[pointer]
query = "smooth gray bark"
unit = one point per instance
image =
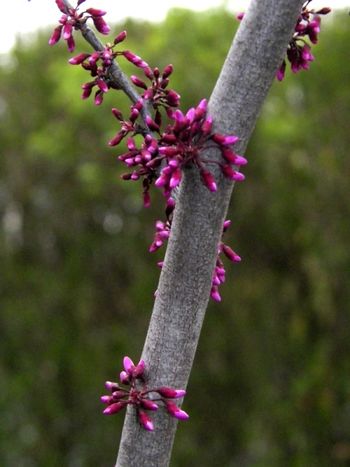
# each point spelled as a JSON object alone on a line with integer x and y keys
{"x": 185, "y": 281}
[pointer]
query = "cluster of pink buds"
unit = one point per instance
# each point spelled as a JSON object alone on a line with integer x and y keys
{"x": 72, "y": 19}
{"x": 98, "y": 64}
{"x": 157, "y": 93}
{"x": 182, "y": 143}
{"x": 177, "y": 147}
{"x": 163, "y": 228}
{"x": 299, "y": 51}
{"x": 135, "y": 392}
{"x": 219, "y": 270}
{"x": 163, "y": 232}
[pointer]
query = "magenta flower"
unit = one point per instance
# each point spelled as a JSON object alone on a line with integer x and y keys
{"x": 139, "y": 396}
{"x": 98, "y": 64}
{"x": 175, "y": 411}
{"x": 161, "y": 235}
{"x": 157, "y": 93}
{"x": 219, "y": 270}
{"x": 299, "y": 52}
{"x": 72, "y": 20}
{"x": 181, "y": 145}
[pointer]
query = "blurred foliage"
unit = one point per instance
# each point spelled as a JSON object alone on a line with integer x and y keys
{"x": 270, "y": 385}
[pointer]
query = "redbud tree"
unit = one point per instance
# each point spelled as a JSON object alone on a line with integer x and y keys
{"x": 194, "y": 156}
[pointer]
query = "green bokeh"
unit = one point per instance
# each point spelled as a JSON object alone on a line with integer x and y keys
{"x": 270, "y": 385}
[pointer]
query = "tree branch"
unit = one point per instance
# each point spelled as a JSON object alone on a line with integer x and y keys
{"x": 117, "y": 77}
{"x": 185, "y": 280}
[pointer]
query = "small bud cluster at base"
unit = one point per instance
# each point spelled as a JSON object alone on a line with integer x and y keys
{"x": 139, "y": 396}
{"x": 299, "y": 51}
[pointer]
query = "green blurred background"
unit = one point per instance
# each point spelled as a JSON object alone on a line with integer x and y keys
{"x": 270, "y": 386}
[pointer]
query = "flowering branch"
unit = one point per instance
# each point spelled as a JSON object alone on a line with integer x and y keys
{"x": 196, "y": 149}
{"x": 187, "y": 273}
{"x": 117, "y": 77}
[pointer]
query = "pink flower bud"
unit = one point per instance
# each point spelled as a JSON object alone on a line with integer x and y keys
{"x": 175, "y": 411}
{"x": 87, "y": 89}
{"x": 214, "y": 294}
{"x": 169, "y": 138}
{"x": 95, "y": 12}
{"x": 111, "y": 386}
{"x": 139, "y": 369}
{"x": 102, "y": 85}
{"x": 306, "y": 54}
{"x": 151, "y": 124}
{"x": 67, "y": 31}
{"x": 117, "y": 139}
{"x": 114, "y": 408}
{"x": 101, "y": 25}
{"x": 138, "y": 82}
{"x": 148, "y": 73}
{"x": 135, "y": 59}
{"x": 117, "y": 113}
{"x": 207, "y": 125}
{"x": 281, "y": 71}
{"x": 128, "y": 365}
{"x": 209, "y": 180}
{"x": 167, "y": 71}
{"x": 56, "y": 35}
{"x": 230, "y": 254}
{"x": 190, "y": 115}
{"x": 93, "y": 58}
{"x": 78, "y": 59}
{"x": 171, "y": 393}
{"x": 134, "y": 115}
{"x": 145, "y": 421}
{"x": 161, "y": 181}
{"x": 173, "y": 98}
{"x": 216, "y": 280}
{"x": 61, "y": 5}
{"x": 227, "y": 225}
{"x": 149, "y": 405}
{"x": 70, "y": 44}
{"x": 179, "y": 118}
{"x": 118, "y": 395}
{"x": 120, "y": 37}
{"x": 98, "y": 98}
{"x": 240, "y": 16}
{"x": 232, "y": 174}
{"x": 175, "y": 178}
{"x": 169, "y": 151}
{"x": 124, "y": 377}
{"x": 106, "y": 399}
{"x": 223, "y": 140}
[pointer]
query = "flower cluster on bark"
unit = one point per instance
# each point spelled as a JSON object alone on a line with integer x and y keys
{"x": 299, "y": 53}
{"x": 134, "y": 391}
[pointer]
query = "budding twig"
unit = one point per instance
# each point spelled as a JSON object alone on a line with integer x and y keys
{"x": 116, "y": 75}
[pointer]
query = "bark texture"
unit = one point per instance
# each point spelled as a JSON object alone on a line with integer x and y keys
{"x": 185, "y": 281}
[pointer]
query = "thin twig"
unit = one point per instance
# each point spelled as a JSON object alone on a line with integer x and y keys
{"x": 117, "y": 77}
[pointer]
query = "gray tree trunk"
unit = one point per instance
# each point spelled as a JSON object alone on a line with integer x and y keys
{"x": 185, "y": 280}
